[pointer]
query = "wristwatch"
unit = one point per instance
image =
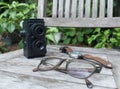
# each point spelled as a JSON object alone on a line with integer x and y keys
{"x": 70, "y": 52}
{"x": 79, "y": 55}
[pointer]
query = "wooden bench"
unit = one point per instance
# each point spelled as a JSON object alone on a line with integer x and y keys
{"x": 79, "y": 13}
{"x": 16, "y": 70}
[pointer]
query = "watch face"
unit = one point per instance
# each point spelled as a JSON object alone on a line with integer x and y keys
{"x": 74, "y": 54}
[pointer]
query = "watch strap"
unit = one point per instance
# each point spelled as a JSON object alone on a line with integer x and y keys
{"x": 65, "y": 49}
{"x": 105, "y": 63}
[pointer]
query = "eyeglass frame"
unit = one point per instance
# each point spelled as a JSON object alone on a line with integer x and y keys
{"x": 97, "y": 69}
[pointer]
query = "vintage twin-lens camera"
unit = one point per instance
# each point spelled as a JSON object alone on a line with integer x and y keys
{"x": 34, "y": 38}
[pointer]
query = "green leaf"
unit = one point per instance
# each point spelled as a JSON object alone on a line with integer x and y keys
{"x": 11, "y": 27}
{"x": 87, "y": 31}
{"x": 113, "y": 40}
{"x": 52, "y": 30}
{"x": 106, "y": 32}
{"x": 97, "y": 30}
{"x": 21, "y": 24}
{"x": 20, "y": 14}
{"x": 67, "y": 41}
{"x": 27, "y": 10}
{"x": 4, "y": 25}
{"x": 80, "y": 38}
{"x": 64, "y": 38}
{"x": 12, "y": 14}
{"x": 117, "y": 29}
{"x": 14, "y": 4}
{"x": 70, "y": 33}
{"x": 100, "y": 45}
{"x": 74, "y": 41}
{"x": 2, "y": 29}
{"x": 4, "y": 4}
{"x": 51, "y": 37}
{"x": 32, "y": 6}
{"x": 92, "y": 38}
{"x": 4, "y": 14}
{"x": 23, "y": 5}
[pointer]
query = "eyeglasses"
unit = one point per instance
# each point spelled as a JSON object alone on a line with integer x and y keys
{"x": 81, "y": 69}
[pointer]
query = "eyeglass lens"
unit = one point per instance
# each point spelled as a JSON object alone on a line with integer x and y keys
{"x": 49, "y": 63}
{"x": 80, "y": 69}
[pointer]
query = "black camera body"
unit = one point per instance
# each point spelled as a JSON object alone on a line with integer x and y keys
{"x": 34, "y": 39}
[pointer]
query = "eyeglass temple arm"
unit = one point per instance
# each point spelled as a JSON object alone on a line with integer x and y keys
{"x": 37, "y": 68}
{"x": 88, "y": 83}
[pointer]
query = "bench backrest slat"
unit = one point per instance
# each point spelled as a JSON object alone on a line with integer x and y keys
{"x": 41, "y": 8}
{"x": 67, "y": 8}
{"x": 54, "y": 9}
{"x": 110, "y": 9}
{"x": 81, "y": 8}
{"x": 73, "y": 9}
{"x": 102, "y": 9}
{"x": 95, "y": 9}
{"x": 87, "y": 8}
{"x": 60, "y": 9}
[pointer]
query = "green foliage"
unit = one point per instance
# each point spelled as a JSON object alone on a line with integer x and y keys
{"x": 13, "y": 15}
{"x": 49, "y": 8}
{"x": 75, "y": 36}
{"x": 115, "y": 39}
{"x": 102, "y": 38}
{"x": 98, "y": 37}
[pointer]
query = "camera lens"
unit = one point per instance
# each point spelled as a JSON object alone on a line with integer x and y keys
{"x": 39, "y": 44}
{"x": 38, "y": 30}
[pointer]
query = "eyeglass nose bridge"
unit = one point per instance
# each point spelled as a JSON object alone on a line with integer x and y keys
{"x": 98, "y": 69}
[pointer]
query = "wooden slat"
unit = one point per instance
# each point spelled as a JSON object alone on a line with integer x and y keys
{"x": 81, "y": 8}
{"x": 95, "y": 8}
{"x": 110, "y": 8}
{"x": 41, "y": 8}
{"x": 102, "y": 9}
{"x": 23, "y": 81}
{"x": 60, "y": 9}
{"x": 67, "y": 8}
{"x": 85, "y": 22}
{"x": 54, "y": 8}
{"x": 87, "y": 8}
{"x": 74, "y": 8}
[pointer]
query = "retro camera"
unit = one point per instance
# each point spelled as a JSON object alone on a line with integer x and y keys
{"x": 34, "y": 38}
